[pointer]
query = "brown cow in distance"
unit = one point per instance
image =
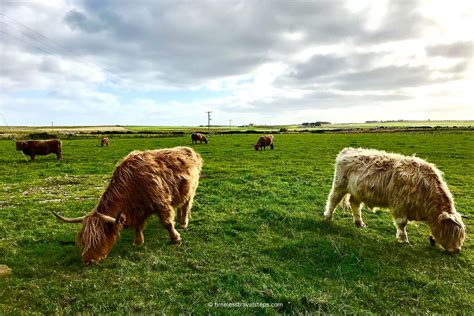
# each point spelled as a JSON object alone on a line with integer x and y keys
{"x": 40, "y": 147}
{"x": 195, "y": 137}
{"x": 264, "y": 141}
{"x": 104, "y": 142}
{"x": 144, "y": 183}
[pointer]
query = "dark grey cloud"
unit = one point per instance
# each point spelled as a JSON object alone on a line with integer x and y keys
{"x": 402, "y": 20}
{"x": 459, "y": 68}
{"x": 395, "y": 77}
{"x": 317, "y": 99}
{"x": 182, "y": 43}
{"x": 75, "y": 19}
{"x": 49, "y": 65}
{"x": 318, "y": 66}
{"x": 382, "y": 78}
{"x": 185, "y": 41}
{"x": 360, "y": 72}
{"x": 323, "y": 68}
{"x": 452, "y": 50}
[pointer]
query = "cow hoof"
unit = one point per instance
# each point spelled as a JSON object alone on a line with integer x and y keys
{"x": 403, "y": 240}
{"x": 360, "y": 224}
{"x": 138, "y": 242}
{"x": 177, "y": 241}
{"x": 327, "y": 216}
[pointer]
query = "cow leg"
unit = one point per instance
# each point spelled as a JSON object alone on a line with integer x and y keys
{"x": 179, "y": 212}
{"x": 184, "y": 212}
{"x": 139, "y": 239}
{"x": 166, "y": 215}
{"x": 401, "y": 223}
{"x": 335, "y": 196}
{"x": 32, "y": 157}
{"x": 356, "y": 213}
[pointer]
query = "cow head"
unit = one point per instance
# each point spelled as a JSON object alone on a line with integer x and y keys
{"x": 450, "y": 231}
{"x": 205, "y": 139}
{"x": 257, "y": 146}
{"x": 21, "y": 145}
{"x": 98, "y": 234}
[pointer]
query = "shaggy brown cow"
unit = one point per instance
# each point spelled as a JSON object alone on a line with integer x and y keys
{"x": 413, "y": 190}
{"x": 144, "y": 183}
{"x": 195, "y": 137}
{"x": 40, "y": 147}
{"x": 264, "y": 141}
{"x": 104, "y": 142}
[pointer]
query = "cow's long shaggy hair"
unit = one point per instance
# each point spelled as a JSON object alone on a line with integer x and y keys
{"x": 413, "y": 189}
{"x": 143, "y": 183}
{"x": 97, "y": 235}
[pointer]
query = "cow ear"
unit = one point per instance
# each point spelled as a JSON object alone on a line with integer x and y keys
{"x": 447, "y": 217}
{"x": 121, "y": 219}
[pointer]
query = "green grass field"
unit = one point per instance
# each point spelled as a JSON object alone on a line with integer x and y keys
{"x": 257, "y": 234}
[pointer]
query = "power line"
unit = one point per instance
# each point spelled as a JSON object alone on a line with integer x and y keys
{"x": 53, "y": 49}
{"x": 19, "y": 39}
{"x": 48, "y": 39}
{"x": 65, "y": 51}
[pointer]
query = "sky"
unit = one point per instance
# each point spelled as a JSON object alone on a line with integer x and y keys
{"x": 166, "y": 63}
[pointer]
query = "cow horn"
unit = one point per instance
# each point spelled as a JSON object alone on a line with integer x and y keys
{"x": 107, "y": 219}
{"x": 69, "y": 219}
{"x": 110, "y": 219}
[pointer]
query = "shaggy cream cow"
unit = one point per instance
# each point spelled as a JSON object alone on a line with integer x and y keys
{"x": 413, "y": 190}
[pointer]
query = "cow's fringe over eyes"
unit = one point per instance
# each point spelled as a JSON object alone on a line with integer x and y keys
{"x": 92, "y": 234}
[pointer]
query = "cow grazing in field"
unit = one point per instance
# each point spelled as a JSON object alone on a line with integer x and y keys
{"x": 143, "y": 183}
{"x": 413, "y": 190}
{"x": 104, "y": 142}
{"x": 264, "y": 141}
{"x": 195, "y": 137}
{"x": 40, "y": 147}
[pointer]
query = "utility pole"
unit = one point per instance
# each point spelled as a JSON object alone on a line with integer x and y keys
{"x": 52, "y": 126}
{"x": 209, "y": 122}
{"x": 230, "y": 123}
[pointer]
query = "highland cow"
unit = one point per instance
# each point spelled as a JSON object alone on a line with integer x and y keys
{"x": 413, "y": 190}
{"x": 143, "y": 184}
{"x": 195, "y": 137}
{"x": 264, "y": 141}
{"x": 104, "y": 142}
{"x": 40, "y": 147}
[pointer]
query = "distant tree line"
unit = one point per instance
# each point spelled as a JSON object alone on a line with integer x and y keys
{"x": 313, "y": 124}
{"x": 388, "y": 121}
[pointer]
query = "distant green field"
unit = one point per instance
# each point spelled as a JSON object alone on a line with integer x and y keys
{"x": 405, "y": 124}
{"x": 257, "y": 234}
{"x": 21, "y": 130}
